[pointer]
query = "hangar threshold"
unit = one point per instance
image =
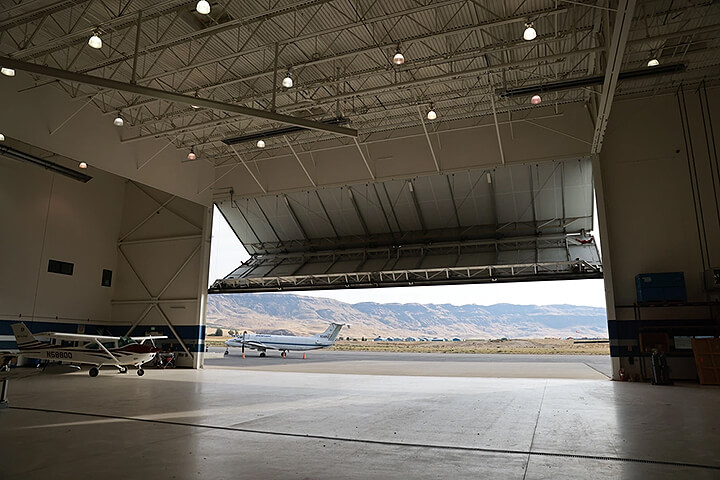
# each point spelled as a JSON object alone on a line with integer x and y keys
{"x": 507, "y": 224}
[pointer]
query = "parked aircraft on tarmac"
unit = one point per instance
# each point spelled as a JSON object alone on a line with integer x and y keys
{"x": 284, "y": 343}
{"x": 96, "y": 350}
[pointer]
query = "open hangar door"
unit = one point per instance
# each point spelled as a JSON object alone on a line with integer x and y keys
{"x": 510, "y": 89}
{"x": 513, "y": 223}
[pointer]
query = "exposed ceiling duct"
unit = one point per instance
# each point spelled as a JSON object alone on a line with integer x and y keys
{"x": 277, "y": 132}
{"x": 590, "y": 81}
{"x": 19, "y": 155}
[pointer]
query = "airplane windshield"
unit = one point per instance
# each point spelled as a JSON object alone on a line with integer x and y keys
{"x": 125, "y": 341}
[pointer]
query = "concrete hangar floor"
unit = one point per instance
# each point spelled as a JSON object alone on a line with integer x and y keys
{"x": 387, "y": 416}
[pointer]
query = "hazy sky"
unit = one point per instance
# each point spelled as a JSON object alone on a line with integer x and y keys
{"x": 227, "y": 253}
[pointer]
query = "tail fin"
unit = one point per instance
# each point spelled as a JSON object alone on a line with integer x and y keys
{"x": 23, "y": 337}
{"x": 332, "y": 332}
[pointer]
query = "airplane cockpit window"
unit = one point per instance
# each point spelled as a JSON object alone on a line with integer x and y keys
{"x": 125, "y": 341}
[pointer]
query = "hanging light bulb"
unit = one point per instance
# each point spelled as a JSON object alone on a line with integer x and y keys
{"x": 287, "y": 82}
{"x": 83, "y": 165}
{"x": 399, "y": 58}
{"x": 431, "y": 115}
{"x": 260, "y": 144}
{"x": 8, "y": 72}
{"x": 529, "y": 33}
{"x": 536, "y": 99}
{"x": 2, "y": 137}
{"x": 118, "y": 122}
{"x": 203, "y": 7}
{"x": 653, "y": 62}
{"x": 95, "y": 41}
{"x": 191, "y": 155}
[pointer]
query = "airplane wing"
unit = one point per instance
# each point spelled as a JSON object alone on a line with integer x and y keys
{"x": 76, "y": 336}
{"x": 151, "y": 337}
{"x": 99, "y": 338}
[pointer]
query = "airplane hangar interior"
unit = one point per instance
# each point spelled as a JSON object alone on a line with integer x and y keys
{"x": 358, "y": 144}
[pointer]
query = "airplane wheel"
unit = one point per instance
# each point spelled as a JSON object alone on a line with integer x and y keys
{"x": 123, "y": 369}
{"x": 284, "y": 354}
{"x": 262, "y": 354}
{"x": 94, "y": 372}
{"x": 226, "y": 353}
{"x": 140, "y": 372}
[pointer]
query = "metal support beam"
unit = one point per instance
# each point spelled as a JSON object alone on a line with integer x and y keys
{"x": 322, "y": 205}
{"x": 297, "y": 157}
{"x": 454, "y": 203}
{"x": 160, "y": 239}
{"x": 357, "y": 211}
{"x": 294, "y": 217}
{"x": 174, "y": 332}
{"x": 497, "y": 128}
{"x": 416, "y": 204}
{"x": 173, "y": 97}
{"x": 623, "y": 19}
{"x": 362, "y": 154}
{"x": 133, "y": 79}
{"x": 432, "y": 151}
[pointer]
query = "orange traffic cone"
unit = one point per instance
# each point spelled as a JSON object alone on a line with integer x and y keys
{"x": 303, "y": 356}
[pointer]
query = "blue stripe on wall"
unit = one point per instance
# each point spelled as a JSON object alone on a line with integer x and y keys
{"x": 629, "y": 330}
{"x": 192, "y": 335}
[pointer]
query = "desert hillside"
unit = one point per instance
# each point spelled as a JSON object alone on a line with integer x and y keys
{"x": 300, "y": 315}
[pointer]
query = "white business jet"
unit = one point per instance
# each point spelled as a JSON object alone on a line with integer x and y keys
{"x": 96, "y": 350}
{"x": 284, "y": 343}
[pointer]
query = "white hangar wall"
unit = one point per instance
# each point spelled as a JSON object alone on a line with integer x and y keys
{"x": 155, "y": 244}
{"x": 646, "y": 196}
{"x": 44, "y": 115}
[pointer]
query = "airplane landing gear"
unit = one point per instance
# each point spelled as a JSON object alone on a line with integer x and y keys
{"x": 262, "y": 354}
{"x": 140, "y": 372}
{"x": 94, "y": 372}
{"x": 283, "y": 354}
{"x": 122, "y": 370}
{"x": 227, "y": 352}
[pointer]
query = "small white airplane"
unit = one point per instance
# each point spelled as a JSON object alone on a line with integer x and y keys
{"x": 284, "y": 343}
{"x": 96, "y": 350}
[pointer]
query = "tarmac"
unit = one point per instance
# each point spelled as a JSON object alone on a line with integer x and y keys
{"x": 271, "y": 418}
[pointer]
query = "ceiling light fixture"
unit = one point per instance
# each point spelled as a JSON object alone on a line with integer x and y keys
{"x": 83, "y": 165}
{"x": 118, "y": 122}
{"x": 203, "y": 7}
{"x": 529, "y": 33}
{"x": 287, "y": 82}
{"x": 260, "y": 144}
{"x": 399, "y": 58}
{"x": 431, "y": 115}
{"x": 536, "y": 99}
{"x": 653, "y": 62}
{"x": 95, "y": 41}
{"x": 191, "y": 155}
{"x": 8, "y": 72}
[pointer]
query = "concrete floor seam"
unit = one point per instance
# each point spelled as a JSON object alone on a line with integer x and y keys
{"x": 532, "y": 439}
{"x": 379, "y": 442}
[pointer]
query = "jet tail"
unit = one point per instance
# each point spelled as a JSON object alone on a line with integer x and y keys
{"x": 25, "y": 340}
{"x": 332, "y": 331}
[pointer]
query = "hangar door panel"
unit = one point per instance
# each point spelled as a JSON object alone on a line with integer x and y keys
{"x": 510, "y": 223}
